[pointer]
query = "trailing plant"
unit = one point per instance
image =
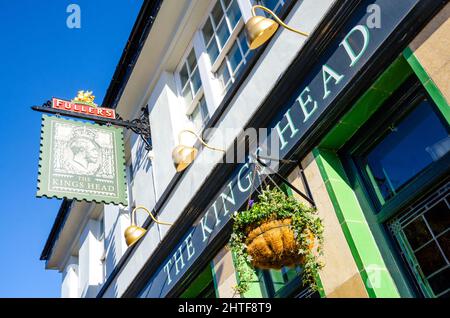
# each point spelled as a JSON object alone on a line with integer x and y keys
{"x": 272, "y": 205}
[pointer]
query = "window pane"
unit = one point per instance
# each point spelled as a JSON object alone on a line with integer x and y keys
{"x": 187, "y": 95}
{"x": 204, "y": 110}
{"x": 290, "y": 273}
{"x": 409, "y": 147}
{"x": 196, "y": 118}
{"x": 213, "y": 51}
{"x": 200, "y": 115}
{"x": 234, "y": 14}
{"x": 430, "y": 258}
{"x": 441, "y": 281}
{"x": 235, "y": 57}
{"x": 223, "y": 33}
{"x": 192, "y": 63}
{"x": 280, "y": 278}
{"x": 243, "y": 41}
{"x": 272, "y": 4}
{"x": 417, "y": 233}
{"x": 208, "y": 31}
{"x": 217, "y": 13}
{"x": 196, "y": 82}
{"x": 227, "y": 3}
{"x": 444, "y": 243}
{"x": 277, "y": 280}
{"x": 184, "y": 77}
{"x": 430, "y": 253}
{"x": 223, "y": 75}
{"x": 438, "y": 217}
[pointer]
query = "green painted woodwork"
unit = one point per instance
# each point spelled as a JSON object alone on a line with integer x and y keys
{"x": 214, "y": 277}
{"x": 368, "y": 104}
{"x": 428, "y": 83}
{"x": 357, "y": 232}
{"x": 431, "y": 176}
{"x": 255, "y": 290}
{"x": 409, "y": 254}
{"x": 200, "y": 283}
{"x": 359, "y": 228}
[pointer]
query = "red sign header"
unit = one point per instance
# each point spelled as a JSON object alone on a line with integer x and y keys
{"x": 85, "y": 109}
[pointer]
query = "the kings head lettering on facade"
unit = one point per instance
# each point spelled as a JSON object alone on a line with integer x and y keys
{"x": 334, "y": 71}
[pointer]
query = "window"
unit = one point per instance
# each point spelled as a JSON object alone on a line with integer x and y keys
{"x": 274, "y": 5}
{"x": 423, "y": 234}
{"x": 407, "y": 147}
{"x": 399, "y": 159}
{"x": 200, "y": 115}
{"x": 238, "y": 56}
{"x": 219, "y": 26}
{"x": 202, "y": 286}
{"x": 190, "y": 78}
{"x": 284, "y": 283}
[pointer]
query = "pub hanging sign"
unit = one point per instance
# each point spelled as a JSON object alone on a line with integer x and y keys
{"x": 80, "y": 160}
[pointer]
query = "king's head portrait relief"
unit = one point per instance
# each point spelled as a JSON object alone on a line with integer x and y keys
{"x": 84, "y": 155}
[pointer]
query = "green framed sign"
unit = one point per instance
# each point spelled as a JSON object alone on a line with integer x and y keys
{"x": 81, "y": 161}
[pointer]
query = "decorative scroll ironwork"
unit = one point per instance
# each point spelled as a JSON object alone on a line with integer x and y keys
{"x": 140, "y": 126}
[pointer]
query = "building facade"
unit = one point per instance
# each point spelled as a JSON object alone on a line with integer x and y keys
{"x": 361, "y": 106}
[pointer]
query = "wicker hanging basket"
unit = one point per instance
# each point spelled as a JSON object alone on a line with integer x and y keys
{"x": 272, "y": 245}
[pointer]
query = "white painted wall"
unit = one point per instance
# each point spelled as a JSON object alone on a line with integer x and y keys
{"x": 69, "y": 286}
{"x": 90, "y": 267}
{"x": 116, "y": 221}
{"x": 167, "y": 117}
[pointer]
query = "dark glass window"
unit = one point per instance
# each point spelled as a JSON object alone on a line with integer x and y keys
{"x": 284, "y": 283}
{"x": 408, "y": 147}
{"x": 202, "y": 286}
{"x": 398, "y": 153}
{"x": 423, "y": 233}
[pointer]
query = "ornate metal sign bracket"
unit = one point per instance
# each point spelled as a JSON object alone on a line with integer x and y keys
{"x": 140, "y": 126}
{"x": 305, "y": 196}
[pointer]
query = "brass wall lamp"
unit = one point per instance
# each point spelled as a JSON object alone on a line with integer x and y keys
{"x": 260, "y": 29}
{"x": 134, "y": 233}
{"x": 183, "y": 155}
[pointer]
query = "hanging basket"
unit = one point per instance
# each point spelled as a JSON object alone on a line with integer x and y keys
{"x": 272, "y": 245}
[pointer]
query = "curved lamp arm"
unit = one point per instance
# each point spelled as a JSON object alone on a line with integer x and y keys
{"x": 201, "y": 140}
{"x": 277, "y": 19}
{"x": 133, "y": 216}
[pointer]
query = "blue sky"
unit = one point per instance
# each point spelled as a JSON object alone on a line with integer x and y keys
{"x": 41, "y": 57}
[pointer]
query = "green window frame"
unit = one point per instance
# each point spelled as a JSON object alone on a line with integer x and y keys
{"x": 203, "y": 286}
{"x": 371, "y": 245}
{"x": 436, "y": 237}
{"x": 399, "y": 105}
{"x": 406, "y": 98}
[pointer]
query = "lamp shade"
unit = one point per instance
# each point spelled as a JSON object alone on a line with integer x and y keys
{"x": 259, "y": 29}
{"x": 133, "y": 233}
{"x": 183, "y": 156}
